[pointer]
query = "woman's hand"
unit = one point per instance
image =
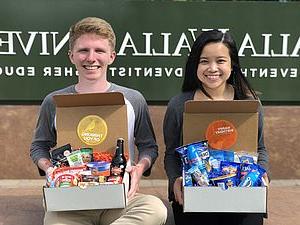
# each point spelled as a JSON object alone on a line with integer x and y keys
{"x": 177, "y": 189}
{"x": 266, "y": 179}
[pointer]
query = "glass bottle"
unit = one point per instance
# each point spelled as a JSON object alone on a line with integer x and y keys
{"x": 119, "y": 161}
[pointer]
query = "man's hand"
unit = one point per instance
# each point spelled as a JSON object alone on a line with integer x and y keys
{"x": 177, "y": 189}
{"x": 44, "y": 164}
{"x": 47, "y": 166}
{"x": 136, "y": 173}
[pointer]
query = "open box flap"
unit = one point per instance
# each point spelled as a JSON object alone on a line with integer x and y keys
{"x": 243, "y": 115}
{"x": 236, "y": 106}
{"x": 80, "y": 118}
{"x": 89, "y": 99}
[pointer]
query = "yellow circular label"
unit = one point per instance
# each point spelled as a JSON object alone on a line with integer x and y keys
{"x": 92, "y": 130}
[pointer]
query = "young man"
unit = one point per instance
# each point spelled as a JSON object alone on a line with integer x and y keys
{"x": 92, "y": 50}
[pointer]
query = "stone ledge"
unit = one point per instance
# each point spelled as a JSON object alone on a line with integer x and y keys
{"x": 23, "y": 205}
{"x": 145, "y": 183}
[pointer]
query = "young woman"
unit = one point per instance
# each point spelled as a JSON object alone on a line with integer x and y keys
{"x": 212, "y": 72}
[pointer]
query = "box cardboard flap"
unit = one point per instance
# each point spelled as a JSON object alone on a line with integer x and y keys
{"x": 94, "y": 120}
{"x": 241, "y": 115}
{"x": 89, "y": 99}
{"x": 236, "y": 106}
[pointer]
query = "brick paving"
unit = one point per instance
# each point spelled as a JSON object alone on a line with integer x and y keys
{"x": 21, "y": 201}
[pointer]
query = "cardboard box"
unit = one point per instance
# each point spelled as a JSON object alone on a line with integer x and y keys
{"x": 90, "y": 120}
{"x": 92, "y": 197}
{"x": 243, "y": 115}
{"x": 235, "y": 199}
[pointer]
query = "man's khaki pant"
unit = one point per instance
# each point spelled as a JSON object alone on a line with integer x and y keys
{"x": 140, "y": 210}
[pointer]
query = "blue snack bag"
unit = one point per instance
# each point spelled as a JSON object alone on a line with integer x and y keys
{"x": 253, "y": 177}
{"x": 225, "y": 181}
{"x": 188, "y": 181}
{"x": 230, "y": 168}
{"x": 199, "y": 175}
{"x": 217, "y": 156}
{"x": 250, "y": 179}
{"x": 197, "y": 152}
{"x": 192, "y": 152}
{"x": 182, "y": 151}
{"x": 228, "y": 176}
{"x": 247, "y": 168}
{"x": 222, "y": 155}
{"x": 246, "y": 157}
{"x": 193, "y": 156}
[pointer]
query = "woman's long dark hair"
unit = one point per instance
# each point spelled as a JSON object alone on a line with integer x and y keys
{"x": 237, "y": 79}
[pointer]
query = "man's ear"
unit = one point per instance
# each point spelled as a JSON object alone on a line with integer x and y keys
{"x": 70, "y": 54}
{"x": 112, "y": 57}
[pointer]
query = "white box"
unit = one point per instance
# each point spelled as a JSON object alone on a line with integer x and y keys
{"x": 235, "y": 199}
{"x": 104, "y": 196}
{"x": 92, "y": 197}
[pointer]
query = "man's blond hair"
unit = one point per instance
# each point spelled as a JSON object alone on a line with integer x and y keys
{"x": 92, "y": 25}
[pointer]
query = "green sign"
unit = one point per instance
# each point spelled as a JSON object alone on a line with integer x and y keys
{"x": 153, "y": 42}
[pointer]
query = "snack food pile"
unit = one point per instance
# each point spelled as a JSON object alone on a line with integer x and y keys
{"x": 81, "y": 167}
{"x": 203, "y": 166}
